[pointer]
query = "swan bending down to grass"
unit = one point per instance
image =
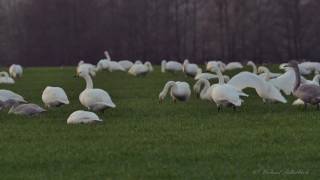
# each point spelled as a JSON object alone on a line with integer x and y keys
{"x": 224, "y": 95}
{"x": 171, "y": 66}
{"x": 190, "y": 69}
{"x": 178, "y": 91}
{"x": 26, "y": 109}
{"x": 6, "y": 95}
{"x": 5, "y": 78}
{"x": 140, "y": 69}
{"x": 83, "y": 117}
{"x": 16, "y": 71}
{"x": 96, "y": 100}
{"x": 308, "y": 93}
{"x": 109, "y": 64}
{"x": 54, "y": 97}
{"x": 126, "y": 64}
{"x": 86, "y": 67}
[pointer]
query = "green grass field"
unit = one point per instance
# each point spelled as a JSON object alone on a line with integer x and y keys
{"x": 142, "y": 139}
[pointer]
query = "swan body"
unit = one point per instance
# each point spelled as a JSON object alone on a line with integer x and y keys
{"x": 83, "y": 117}
{"x": 5, "y": 78}
{"x": 94, "y": 99}
{"x": 109, "y": 64}
{"x": 86, "y": 67}
{"x": 6, "y": 95}
{"x": 215, "y": 64}
{"x": 178, "y": 91}
{"x": 190, "y": 69}
{"x": 205, "y": 92}
{"x": 140, "y": 69}
{"x": 114, "y": 66}
{"x": 26, "y": 109}
{"x": 225, "y": 95}
{"x": 233, "y": 66}
{"x": 16, "y": 70}
{"x": 264, "y": 89}
{"x": 171, "y": 66}
{"x": 54, "y": 97}
{"x": 308, "y": 93}
{"x": 126, "y": 64}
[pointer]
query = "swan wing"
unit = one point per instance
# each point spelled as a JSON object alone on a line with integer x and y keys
{"x": 245, "y": 80}
{"x": 285, "y": 82}
{"x": 222, "y": 93}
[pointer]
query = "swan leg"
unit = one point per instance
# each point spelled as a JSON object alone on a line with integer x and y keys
{"x": 219, "y": 108}
{"x": 234, "y": 108}
{"x": 318, "y": 107}
{"x": 305, "y": 106}
{"x": 174, "y": 100}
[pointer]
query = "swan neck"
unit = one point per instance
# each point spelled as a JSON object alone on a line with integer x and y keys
{"x": 204, "y": 91}
{"x": 220, "y": 76}
{"x": 89, "y": 83}
{"x": 298, "y": 78}
{"x": 255, "y": 71}
{"x": 166, "y": 89}
{"x": 163, "y": 66}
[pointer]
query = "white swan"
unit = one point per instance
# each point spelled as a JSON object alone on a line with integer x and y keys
{"x": 171, "y": 66}
{"x": 140, "y": 69}
{"x": 5, "y": 78}
{"x": 233, "y": 65}
{"x": 215, "y": 64}
{"x": 83, "y": 117}
{"x": 264, "y": 89}
{"x": 54, "y": 97}
{"x": 190, "y": 69}
{"x": 178, "y": 91}
{"x": 94, "y": 99}
{"x": 126, "y": 64}
{"x": 225, "y": 95}
{"x": 86, "y": 67}
{"x": 6, "y": 95}
{"x": 109, "y": 64}
{"x": 205, "y": 92}
{"x": 16, "y": 71}
{"x": 26, "y": 109}
{"x": 266, "y": 74}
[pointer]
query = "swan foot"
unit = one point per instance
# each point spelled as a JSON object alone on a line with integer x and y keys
{"x": 219, "y": 109}
{"x": 234, "y": 108}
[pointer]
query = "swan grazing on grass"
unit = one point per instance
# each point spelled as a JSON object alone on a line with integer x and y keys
{"x": 233, "y": 66}
{"x": 54, "y": 97}
{"x": 190, "y": 69}
{"x": 94, "y": 99}
{"x": 109, "y": 64}
{"x": 264, "y": 89}
{"x": 178, "y": 91}
{"x": 171, "y": 66}
{"x": 6, "y": 95}
{"x": 140, "y": 69}
{"x": 83, "y": 117}
{"x": 215, "y": 64}
{"x": 16, "y": 71}
{"x": 209, "y": 76}
{"x": 86, "y": 67}
{"x": 26, "y": 109}
{"x": 308, "y": 93}
{"x": 126, "y": 64}
{"x": 5, "y": 78}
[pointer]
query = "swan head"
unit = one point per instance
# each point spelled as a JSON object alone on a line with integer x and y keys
{"x": 250, "y": 63}
{"x": 81, "y": 62}
{"x": 262, "y": 69}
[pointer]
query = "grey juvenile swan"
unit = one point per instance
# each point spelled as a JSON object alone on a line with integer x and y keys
{"x": 308, "y": 93}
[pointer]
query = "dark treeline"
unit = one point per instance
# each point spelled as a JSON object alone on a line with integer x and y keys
{"x": 61, "y": 32}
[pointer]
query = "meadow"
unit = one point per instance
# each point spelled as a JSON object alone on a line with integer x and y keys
{"x": 142, "y": 139}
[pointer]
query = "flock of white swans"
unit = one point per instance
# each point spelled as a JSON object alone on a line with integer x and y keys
{"x": 228, "y": 92}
